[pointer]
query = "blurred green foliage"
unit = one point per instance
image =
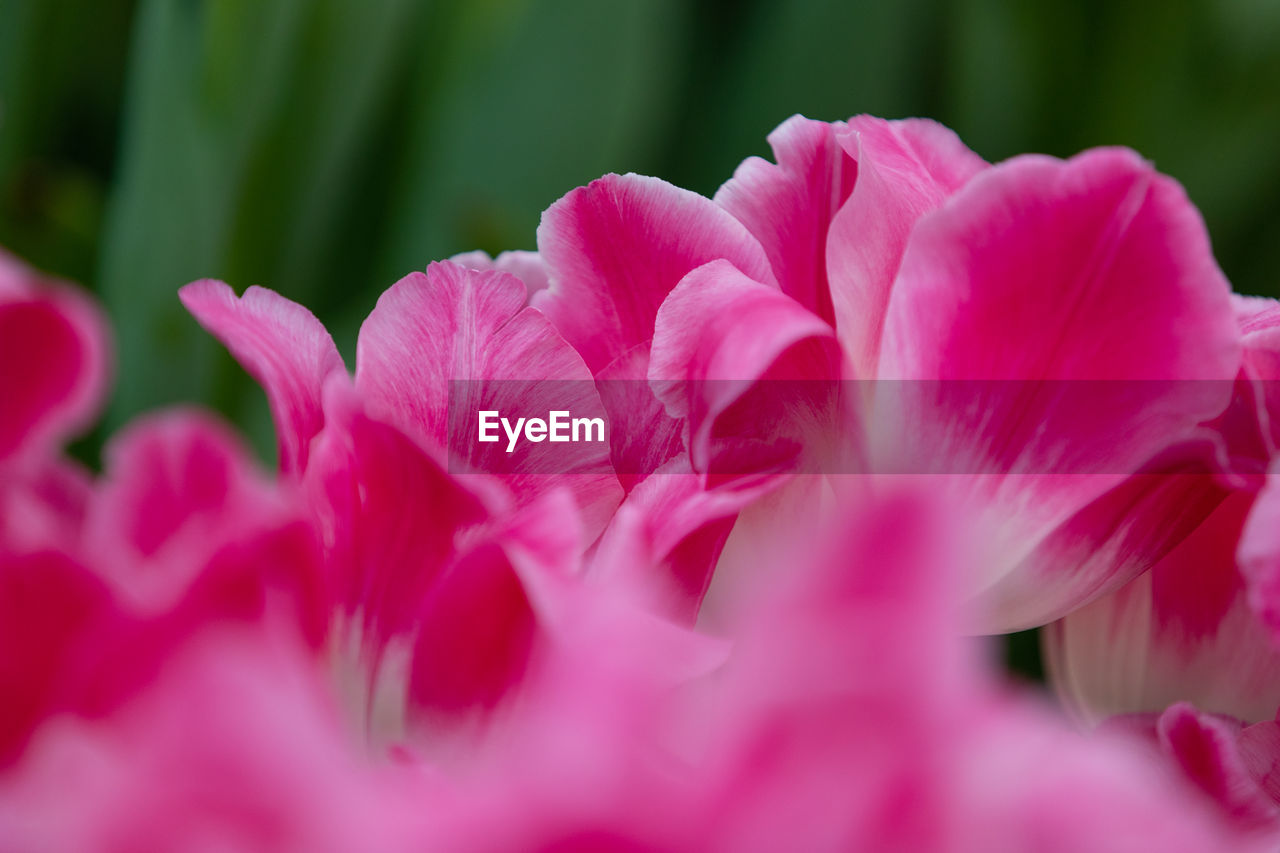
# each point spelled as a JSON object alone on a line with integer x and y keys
{"x": 325, "y": 147}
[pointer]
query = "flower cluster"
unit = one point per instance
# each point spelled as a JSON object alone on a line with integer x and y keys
{"x": 868, "y": 403}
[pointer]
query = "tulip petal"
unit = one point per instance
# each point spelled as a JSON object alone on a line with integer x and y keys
{"x": 717, "y": 333}
{"x": 526, "y": 266}
{"x": 615, "y": 248}
{"x": 441, "y": 347}
{"x": 1209, "y": 751}
{"x": 788, "y": 207}
{"x": 283, "y": 346}
{"x": 49, "y": 606}
{"x": 53, "y": 361}
{"x": 184, "y": 524}
{"x": 1259, "y": 554}
{"x": 1069, "y": 323}
{"x": 665, "y": 539}
{"x": 904, "y": 170}
{"x": 449, "y": 595}
{"x": 1181, "y": 631}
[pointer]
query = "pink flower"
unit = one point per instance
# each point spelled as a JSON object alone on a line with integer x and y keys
{"x": 446, "y": 576}
{"x": 1039, "y": 331}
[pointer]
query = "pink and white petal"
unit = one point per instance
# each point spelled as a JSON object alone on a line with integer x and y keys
{"x": 184, "y": 524}
{"x": 663, "y": 543}
{"x": 443, "y": 346}
{"x": 524, "y": 265}
{"x": 1209, "y": 750}
{"x": 283, "y": 346}
{"x": 789, "y": 207}
{"x": 1114, "y": 538}
{"x": 436, "y": 622}
{"x": 747, "y": 366}
{"x": 43, "y": 505}
{"x": 904, "y": 170}
{"x": 1181, "y": 631}
{"x": 54, "y": 361}
{"x": 1259, "y": 554}
{"x": 1056, "y": 325}
{"x": 615, "y": 248}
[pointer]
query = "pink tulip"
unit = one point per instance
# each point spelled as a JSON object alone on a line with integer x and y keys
{"x": 1039, "y": 332}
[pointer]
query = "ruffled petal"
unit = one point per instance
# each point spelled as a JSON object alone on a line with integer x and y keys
{"x": 904, "y": 170}
{"x": 788, "y": 207}
{"x": 1221, "y": 756}
{"x": 615, "y": 248}
{"x": 54, "y": 356}
{"x": 443, "y": 346}
{"x": 524, "y": 265}
{"x": 283, "y": 346}
{"x": 184, "y": 524}
{"x": 754, "y": 373}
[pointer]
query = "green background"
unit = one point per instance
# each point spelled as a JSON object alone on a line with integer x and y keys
{"x": 325, "y": 147}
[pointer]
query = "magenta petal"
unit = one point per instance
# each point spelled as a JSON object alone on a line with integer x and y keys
{"x": 716, "y": 334}
{"x": 476, "y": 634}
{"x": 283, "y": 346}
{"x": 1116, "y": 537}
{"x": 905, "y": 169}
{"x": 49, "y": 609}
{"x": 1208, "y": 750}
{"x": 643, "y": 436}
{"x": 616, "y": 247}
{"x": 1091, "y": 268}
{"x": 442, "y": 346}
{"x": 1259, "y": 554}
{"x": 370, "y": 484}
{"x": 1039, "y": 296}
{"x": 182, "y": 519}
{"x": 1181, "y": 631}
{"x": 441, "y": 594}
{"x": 53, "y": 361}
{"x": 1260, "y": 325}
{"x": 789, "y": 206}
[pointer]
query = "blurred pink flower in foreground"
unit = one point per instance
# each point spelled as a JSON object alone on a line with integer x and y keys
{"x": 412, "y": 639}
